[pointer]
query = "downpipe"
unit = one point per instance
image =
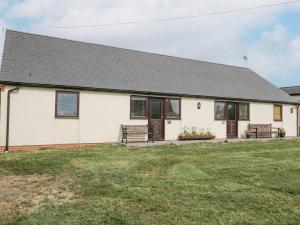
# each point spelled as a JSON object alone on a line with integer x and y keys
{"x": 8, "y": 117}
{"x": 298, "y": 129}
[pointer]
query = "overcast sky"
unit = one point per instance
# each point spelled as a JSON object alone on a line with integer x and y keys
{"x": 269, "y": 37}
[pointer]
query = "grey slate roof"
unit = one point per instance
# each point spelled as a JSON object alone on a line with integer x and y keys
{"x": 42, "y": 60}
{"x": 295, "y": 90}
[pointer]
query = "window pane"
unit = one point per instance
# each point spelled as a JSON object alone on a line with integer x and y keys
{"x": 155, "y": 109}
{"x": 138, "y": 107}
{"x": 231, "y": 115}
{"x": 173, "y": 108}
{"x": 277, "y": 112}
{"x": 67, "y": 104}
{"x": 244, "y": 111}
{"x": 220, "y": 110}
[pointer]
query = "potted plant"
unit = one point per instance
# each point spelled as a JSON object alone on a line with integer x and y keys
{"x": 281, "y": 132}
{"x": 248, "y": 133}
{"x": 195, "y": 135}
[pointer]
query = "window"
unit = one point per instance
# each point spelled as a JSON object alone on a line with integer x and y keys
{"x": 138, "y": 107}
{"x": 277, "y": 112}
{"x": 173, "y": 108}
{"x": 220, "y": 108}
{"x": 67, "y": 104}
{"x": 231, "y": 111}
{"x": 244, "y": 111}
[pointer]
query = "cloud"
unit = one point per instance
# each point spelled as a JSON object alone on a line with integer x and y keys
{"x": 30, "y": 9}
{"x": 2, "y": 37}
{"x": 216, "y": 38}
{"x": 295, "y": 47}
{"x": 3, "y": 5}
{"x": 275, "y": 53}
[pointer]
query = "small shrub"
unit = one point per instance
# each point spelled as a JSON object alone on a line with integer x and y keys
{"x": 195, "y": 135}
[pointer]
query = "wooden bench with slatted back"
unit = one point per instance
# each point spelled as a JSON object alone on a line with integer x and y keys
{"x": 263, "y": 130}
{"x": 136, "y": 133}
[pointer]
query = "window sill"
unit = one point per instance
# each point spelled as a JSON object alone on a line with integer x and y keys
{"x": 138, "y": 118}
{"x": 67, "y": 117}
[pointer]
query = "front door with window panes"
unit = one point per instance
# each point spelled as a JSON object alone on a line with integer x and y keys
{"x": 232, "y": 122}
{"x": 156, "y": 117}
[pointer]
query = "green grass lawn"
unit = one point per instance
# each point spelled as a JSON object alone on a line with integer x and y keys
{"x": 240, "y": 183}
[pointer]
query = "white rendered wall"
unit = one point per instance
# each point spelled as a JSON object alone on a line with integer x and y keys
{"x": 203, "y": 119}
{"x": 33, "y": 119}
{"x": 297, "y": 98}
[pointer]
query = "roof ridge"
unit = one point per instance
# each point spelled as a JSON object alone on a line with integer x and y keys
{"x": 127, "y": 49}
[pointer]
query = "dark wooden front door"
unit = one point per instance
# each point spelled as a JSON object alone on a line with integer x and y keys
{"x": 232, "y": 122}
{"x": 156, "y": 117}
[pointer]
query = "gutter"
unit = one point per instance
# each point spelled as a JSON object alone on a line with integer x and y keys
{"x": 8, "y": 116}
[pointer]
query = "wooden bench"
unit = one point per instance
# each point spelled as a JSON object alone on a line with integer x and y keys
{"x": 136, "y": 131}
{"x": 263, "y": 130}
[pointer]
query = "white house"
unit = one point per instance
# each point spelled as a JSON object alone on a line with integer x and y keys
{"x": 294, "y": 92}
{"x": 68, "y": 92}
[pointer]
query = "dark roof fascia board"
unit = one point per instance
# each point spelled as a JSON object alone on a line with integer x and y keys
{"x": 293, "y": 93}
{"x": 141, "y": 92}
{"x": 296, "y": 86}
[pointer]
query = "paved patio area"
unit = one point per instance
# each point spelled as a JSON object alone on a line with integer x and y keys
{"x": 156, "y": 143}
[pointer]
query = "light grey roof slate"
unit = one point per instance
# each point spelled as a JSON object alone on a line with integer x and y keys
{"x": 35, "y": 59}
{"x": 295, "y": 90}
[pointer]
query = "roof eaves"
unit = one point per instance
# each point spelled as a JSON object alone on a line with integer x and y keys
{"x": 143, "y": 92}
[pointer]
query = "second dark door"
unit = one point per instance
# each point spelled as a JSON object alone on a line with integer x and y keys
{"x": 232, "y": 122}
{"x": 156, "y": 117}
